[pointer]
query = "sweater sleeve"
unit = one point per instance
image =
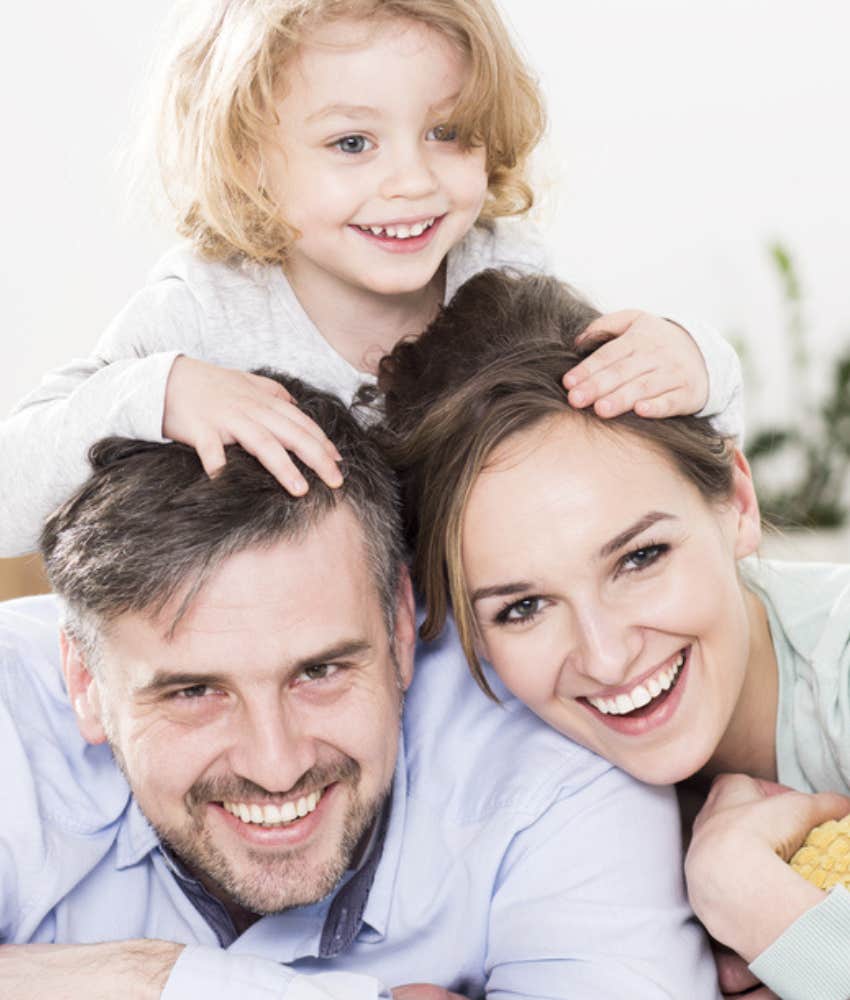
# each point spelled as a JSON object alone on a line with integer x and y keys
{"x": 725, "y": 383}
{"x": 118, "y": 390}
{"x": 811, "y": 960}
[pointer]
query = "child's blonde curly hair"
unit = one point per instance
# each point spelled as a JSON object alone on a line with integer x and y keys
{"x": 221, "y": 80}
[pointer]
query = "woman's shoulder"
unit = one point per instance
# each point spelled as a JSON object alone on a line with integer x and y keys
{"x": 809, "y": 600}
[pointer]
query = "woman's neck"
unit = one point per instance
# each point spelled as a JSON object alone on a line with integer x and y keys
{"x": 362, "y": 325}
{"x": 749, "y": 743}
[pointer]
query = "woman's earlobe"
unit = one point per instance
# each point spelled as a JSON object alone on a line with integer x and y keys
{"x": 82, "y": 691}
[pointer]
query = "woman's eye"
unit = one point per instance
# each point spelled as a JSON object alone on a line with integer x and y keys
{"x": 318, "y": 672}
{"x": 353, "y": 144}
{"x": 520, "y": 611}
{"x": 643, "y": 557}
{"x": 442, "y": 133}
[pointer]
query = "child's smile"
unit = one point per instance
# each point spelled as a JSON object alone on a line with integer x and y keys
{"x": 366, "y": 166}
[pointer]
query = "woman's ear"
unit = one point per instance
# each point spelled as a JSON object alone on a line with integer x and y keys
{"x": 82, "y": 691}
{"x": 746, "y": 505}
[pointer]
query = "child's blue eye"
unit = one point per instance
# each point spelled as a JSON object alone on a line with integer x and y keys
{"x": 353, "y": 144}
{"x": 442, "y": 133}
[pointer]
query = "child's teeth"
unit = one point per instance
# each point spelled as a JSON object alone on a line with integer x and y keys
{"x": 418, "y": 229}
{"x": 390, "y": 230}
{"x": 377, "y": 230}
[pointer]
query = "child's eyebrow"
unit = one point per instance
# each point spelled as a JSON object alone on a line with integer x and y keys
{"x": 366, "y": 111}
{"x": 343, "y": 110}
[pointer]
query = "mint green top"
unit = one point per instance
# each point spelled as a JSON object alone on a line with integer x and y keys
{"x": 808, "y": 608}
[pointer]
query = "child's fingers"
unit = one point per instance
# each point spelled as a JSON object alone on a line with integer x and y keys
{"x": 299, "y": 440}
{"x": 608, "y": 354}
{"x": 609, "y": 325}
{"x": 260, "y": 442}
{"x": 631, "y": 369}
{"x": 288, "y": 410}
{"x": 210, "y": 450}
{"x": 672, "y": 403}
{"x": 652, "y": 385}
{"x": 270, "y": 386}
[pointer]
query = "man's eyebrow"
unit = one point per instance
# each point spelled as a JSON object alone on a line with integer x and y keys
{"x": 349, "y": 649}
{"x": 164, "y": 680}
{"x": 623, "y": 539}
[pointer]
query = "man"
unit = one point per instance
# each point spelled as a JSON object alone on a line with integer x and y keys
{"x": 225, "y": 803}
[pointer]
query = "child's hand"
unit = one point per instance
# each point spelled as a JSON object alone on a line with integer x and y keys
{"x": 650, "y": 365}
{"x": 209, "y": 407}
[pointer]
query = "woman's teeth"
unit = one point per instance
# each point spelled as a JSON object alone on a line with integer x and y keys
{"x": 642, "y": 694}
{"x": 400, "y": 232}
{"x": 274, "y": 815}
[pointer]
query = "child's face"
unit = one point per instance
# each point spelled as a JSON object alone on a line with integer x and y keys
{"x": 364, "y": 145}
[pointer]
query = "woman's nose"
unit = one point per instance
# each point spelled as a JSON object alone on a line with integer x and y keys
{"x": 606, "y": 646}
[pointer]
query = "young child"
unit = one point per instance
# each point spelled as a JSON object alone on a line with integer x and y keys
{"x": 339, "y": 168}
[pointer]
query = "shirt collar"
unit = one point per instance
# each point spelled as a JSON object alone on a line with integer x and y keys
{"x": 377, "y": 913}
{"x": 136, "y": 837}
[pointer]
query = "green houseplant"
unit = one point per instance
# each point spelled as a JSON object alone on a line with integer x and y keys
{"x": 816, "y": 447}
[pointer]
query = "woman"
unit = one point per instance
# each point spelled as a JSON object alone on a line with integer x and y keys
{"x": 607, "y": 572}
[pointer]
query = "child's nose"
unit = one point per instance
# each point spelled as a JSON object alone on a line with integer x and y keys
{"x": 409, "y": 175}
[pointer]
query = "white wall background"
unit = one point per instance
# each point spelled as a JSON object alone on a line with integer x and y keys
{"x": 685, "y": 134}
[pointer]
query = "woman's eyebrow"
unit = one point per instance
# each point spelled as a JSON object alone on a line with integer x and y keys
{"x": 623, "y": 539}
{"x": 501, "y": 590}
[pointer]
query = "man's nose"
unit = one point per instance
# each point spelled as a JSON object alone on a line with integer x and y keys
{"x": 270, "y": 745}
{"x": 606, "y": 645}
{"x": 409, "y": 173}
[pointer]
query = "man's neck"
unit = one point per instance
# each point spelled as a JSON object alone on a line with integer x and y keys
{"x": 363, "y": 326}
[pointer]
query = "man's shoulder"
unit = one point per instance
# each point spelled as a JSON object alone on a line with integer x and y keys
{"x": 77, "y": 787}
{"x": 476, "y": 754}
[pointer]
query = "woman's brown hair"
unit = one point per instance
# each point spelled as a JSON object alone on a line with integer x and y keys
{"x": 489, "y": 366}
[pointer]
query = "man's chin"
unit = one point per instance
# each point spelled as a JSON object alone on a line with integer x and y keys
{"x": 264, "y": 881}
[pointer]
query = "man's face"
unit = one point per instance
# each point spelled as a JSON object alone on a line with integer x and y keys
{"x": 260, "y": 739}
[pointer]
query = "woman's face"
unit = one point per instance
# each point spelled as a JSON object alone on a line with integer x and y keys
{"x": 606, "y": 593}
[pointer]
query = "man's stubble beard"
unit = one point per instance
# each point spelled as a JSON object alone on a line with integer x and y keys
{"x": 275, "y": 881}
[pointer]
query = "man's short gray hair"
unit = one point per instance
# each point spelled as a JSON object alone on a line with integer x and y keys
{"x": 149, "y": 523}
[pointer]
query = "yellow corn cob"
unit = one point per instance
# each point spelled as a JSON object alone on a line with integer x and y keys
{"x": 824, "y": 859}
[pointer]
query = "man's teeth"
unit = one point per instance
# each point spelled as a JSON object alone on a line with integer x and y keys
{"x": 641, "y": 694}
{"x": 400, "y": 232}
{"x": 271, "y": 815}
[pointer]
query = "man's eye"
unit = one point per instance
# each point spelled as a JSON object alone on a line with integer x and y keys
{"x": 353, "y": 144}
{"x": 524, "y": 610}
{"x": 442, "y": 133}
{"x": 643, "y": 557}
{"x": 193, "y": 693}
{"x": 318, "y": 672}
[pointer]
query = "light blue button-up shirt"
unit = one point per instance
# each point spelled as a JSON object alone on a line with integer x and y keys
{"x": 514, "y": 863}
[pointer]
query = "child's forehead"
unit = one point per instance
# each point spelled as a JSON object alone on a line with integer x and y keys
{"x": 349, "y": 39}
{"x": 363, "y": 59}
